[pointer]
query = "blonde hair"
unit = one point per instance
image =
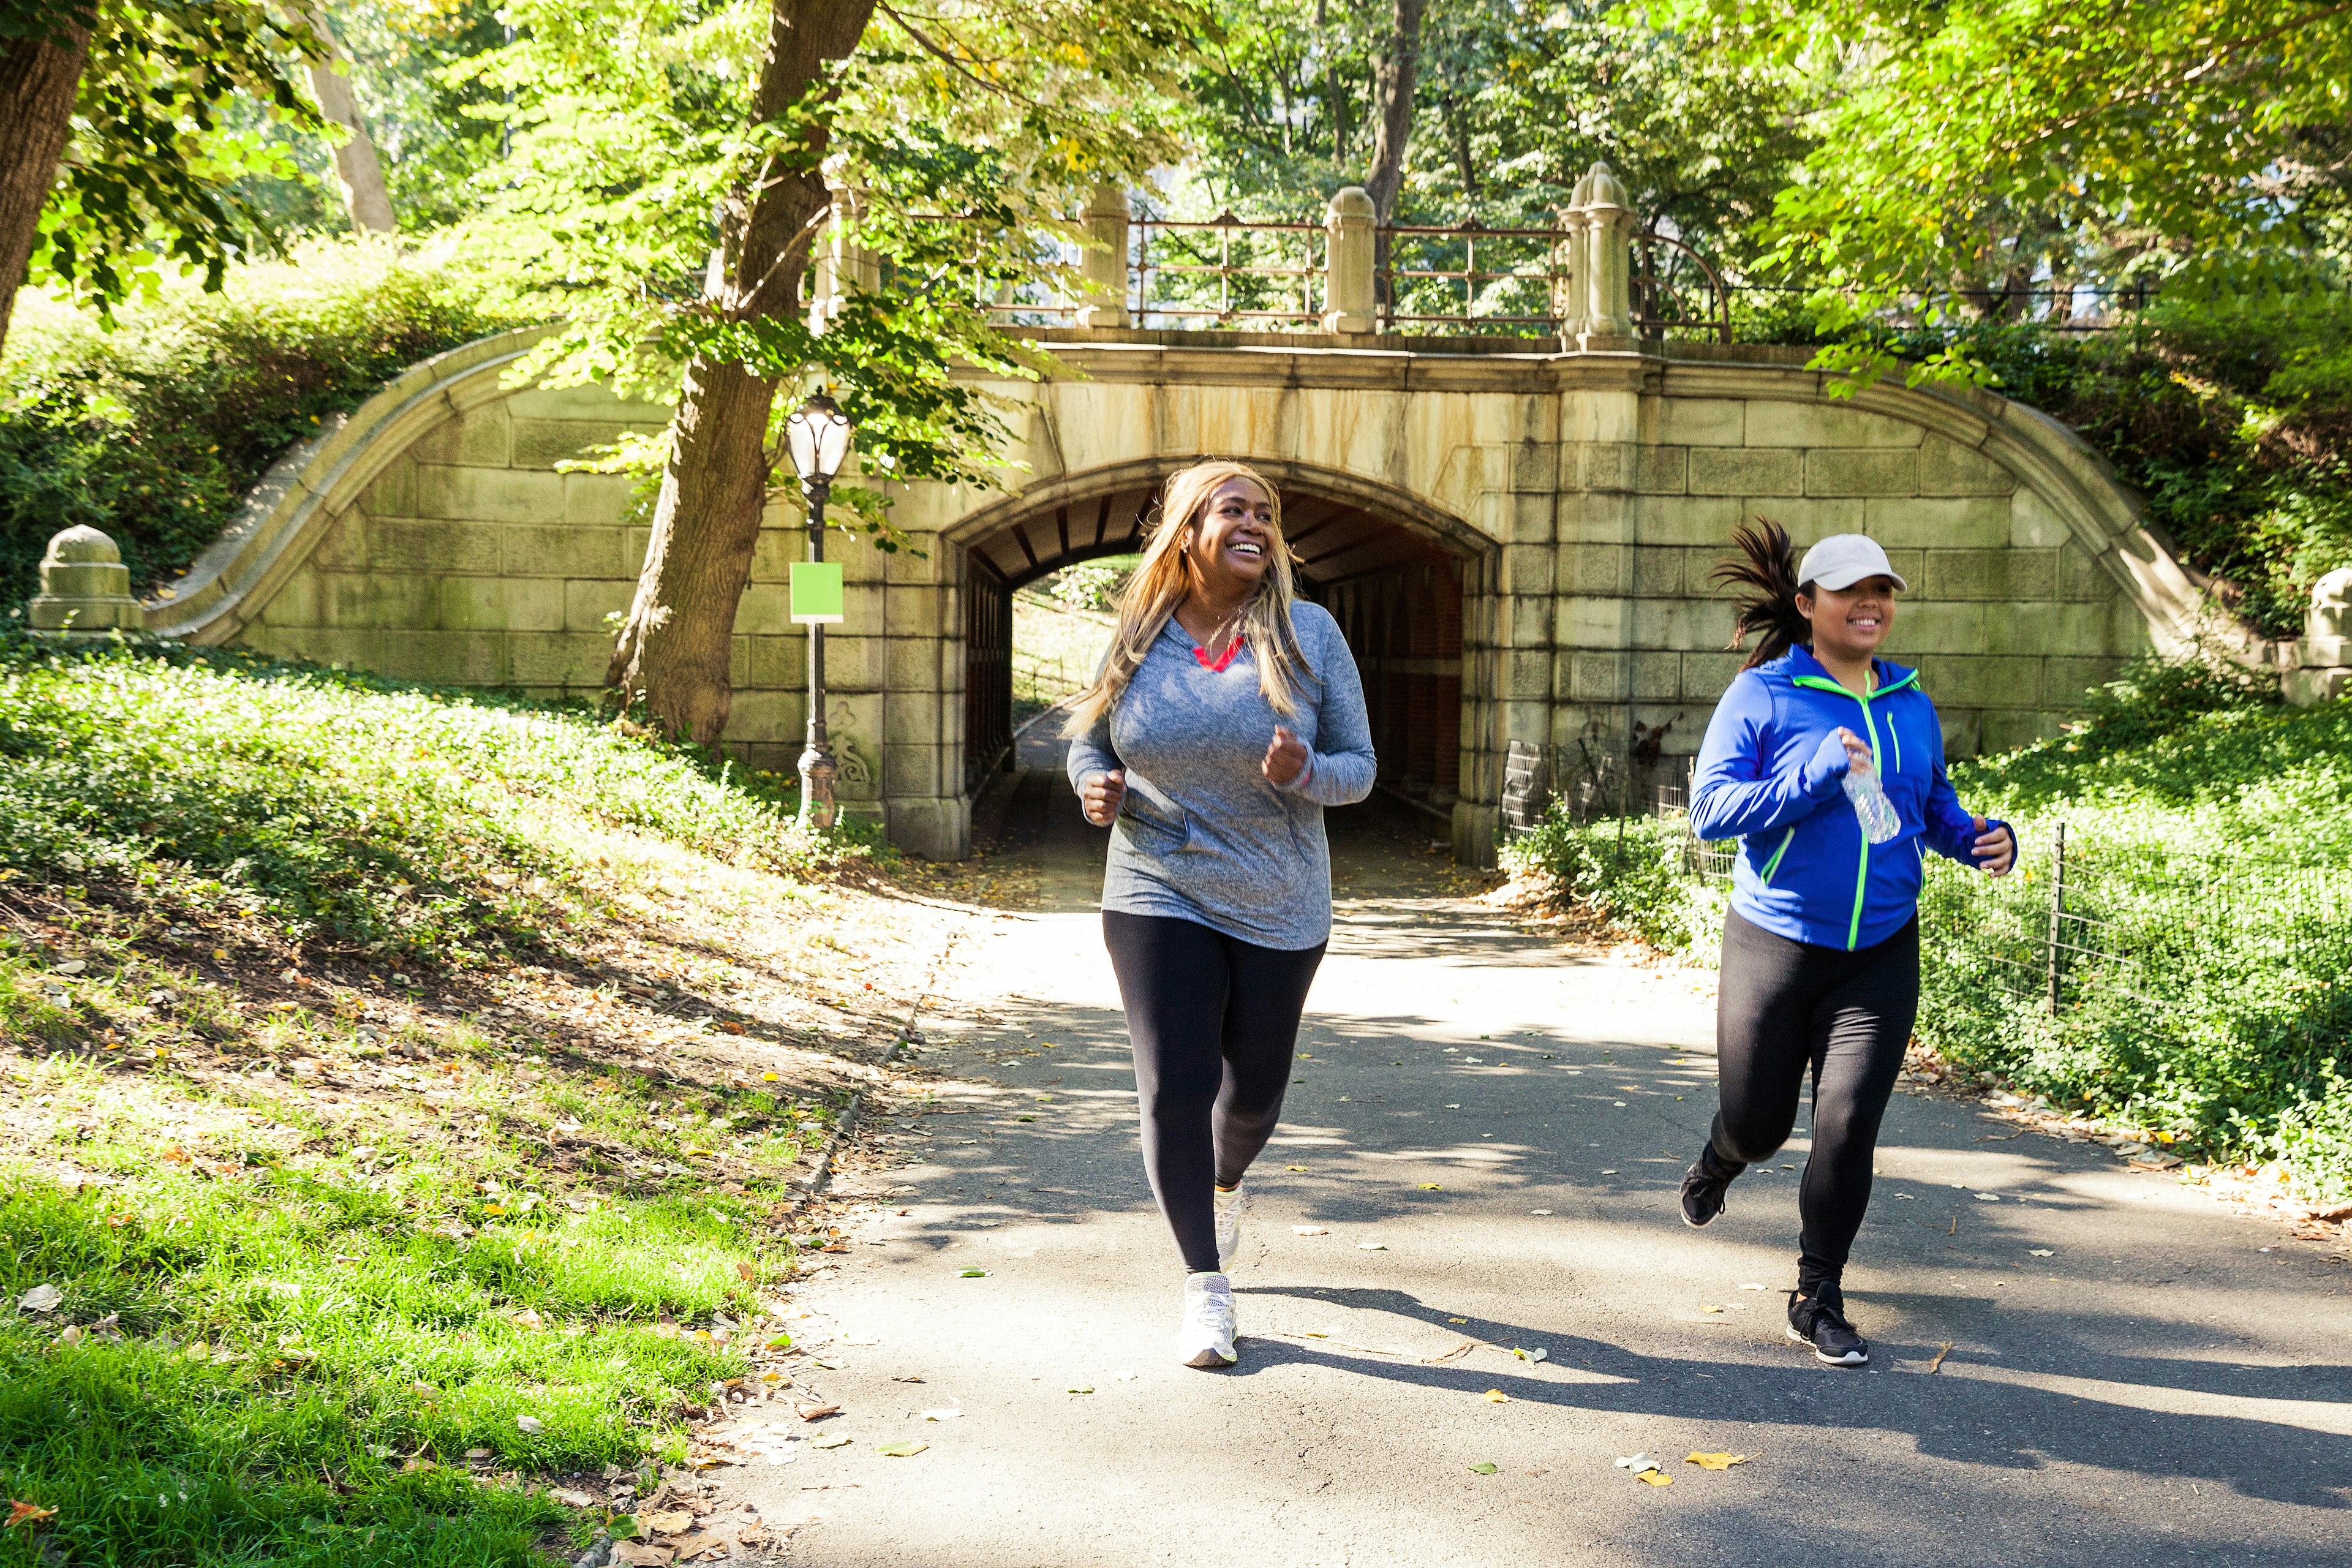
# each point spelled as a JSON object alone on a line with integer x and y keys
{"x": 1161, "y": 583}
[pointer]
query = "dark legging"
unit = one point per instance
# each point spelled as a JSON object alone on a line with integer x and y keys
{"x": 1213, "y": 1020}
{"x": 1789, "y": 1005}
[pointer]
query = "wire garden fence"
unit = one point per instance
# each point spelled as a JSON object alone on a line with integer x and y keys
{"x": 2104, "y": 937}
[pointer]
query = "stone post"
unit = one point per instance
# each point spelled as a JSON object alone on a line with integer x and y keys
{"x": 1104, "y": 262}
{"x": 84, "y": 587}
{"x": 2322, "y": 669}
{"x": 839, "y": 264}
{"x": 1348, "y": 303}
{"x": 1608, "y": 250}
{"x": 1568, "y": 280}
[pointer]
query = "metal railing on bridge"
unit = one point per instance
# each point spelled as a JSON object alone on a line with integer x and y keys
{"x": 1594, "y": 275}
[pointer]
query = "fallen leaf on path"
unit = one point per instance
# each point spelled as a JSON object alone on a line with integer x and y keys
{"x": 1371, "y": 1246}
{"x": 1294, "y": 1167}
{"x": 1539, "y": 1211}
{"x": 1080, "y": 1388}
{"x": 572, "y": 1495}
{"x": 40, "y": 1298}
{"x": 1311, "y": 1230}
{"x": 1497, "y": 1396}
{"x": 1751, "y": 1284}
{"x": 942, "y": 1415}
{"x": 972, "y": 1274}
{"x": 2040, "y": 1252}
{"x": 1710, "y": 1309}
{"x": 901, "y": 1450}
{"x": 1483, "y": 1469}
{"x": 1637, "y": 1462}
{"x": 670, "y": 1521}
{"x": 1535, "y": 1352}
{"x": 28, "y": 1513}
{"x": 1457, "y": 1319}
{"x": 1431, "y": 1187}
{"x": 1655, "y": 1477}
{"x": 1609, "y": 1172}
{"x": 1940, "y": 1355}
{"x": 531, "y": 1423}
{"x": 639, "y": 1555}
{"x": 816, "y": 1412}
{"x": 1715, "y": 1461}
{"x": 1987, "y": 1197}
{"x": 828, "y": 1442}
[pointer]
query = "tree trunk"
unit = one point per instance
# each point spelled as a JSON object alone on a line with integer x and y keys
{"x": 356, "y": 168}
{"x": 1392, "y": 77}
{"x": 37, "y": 82}
{"x": 1393, "y": 70}
{"x": 674, "y": 647}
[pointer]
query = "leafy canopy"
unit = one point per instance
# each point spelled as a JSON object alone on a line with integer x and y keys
{"x": 153, "y": 161}
{"x": 963, "y": 134}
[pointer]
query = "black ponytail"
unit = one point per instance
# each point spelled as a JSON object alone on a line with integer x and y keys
{"x": 1767, "y": 568}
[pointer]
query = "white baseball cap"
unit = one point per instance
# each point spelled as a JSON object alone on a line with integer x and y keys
{"x": 1844, "y": 559}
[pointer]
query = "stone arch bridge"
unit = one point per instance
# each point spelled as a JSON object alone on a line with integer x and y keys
{"x": 1516, "y": 536}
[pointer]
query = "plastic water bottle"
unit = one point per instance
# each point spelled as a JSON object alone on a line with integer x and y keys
{"x": 1875, "y": 811}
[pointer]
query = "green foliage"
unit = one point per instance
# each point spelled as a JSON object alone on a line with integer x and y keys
{"x": 150, "y": 171}
{"x": 2087, "y": 141}
{"x": 153, "y": 432}
{"x": 1635, "y": 870}
{"x": 355, "y": 811}
{"x": 969, "y": 139}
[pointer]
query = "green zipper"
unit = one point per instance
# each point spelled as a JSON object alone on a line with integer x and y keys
{"x": 1774, "y": 864}
{"x": 1861, "y": 872}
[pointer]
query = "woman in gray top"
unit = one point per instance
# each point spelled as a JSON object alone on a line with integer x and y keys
{"x": 1226, "y": 716}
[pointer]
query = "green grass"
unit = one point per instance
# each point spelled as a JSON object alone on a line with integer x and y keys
{"x": 316, "y": 1241}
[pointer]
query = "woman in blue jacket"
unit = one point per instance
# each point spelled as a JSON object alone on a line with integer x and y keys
{"x": 1821, "y": 949}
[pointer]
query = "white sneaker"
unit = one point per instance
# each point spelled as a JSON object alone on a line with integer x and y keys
{"x": 1229, "y": 1223}
{"x": 1206, "y": 1339}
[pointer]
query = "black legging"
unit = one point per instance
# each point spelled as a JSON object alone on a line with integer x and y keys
{"x": 1213, "y": 1020}
{"x": 1786, "y": 1006}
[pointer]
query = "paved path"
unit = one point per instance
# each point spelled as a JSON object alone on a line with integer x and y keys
{"x": 1490, "y": 1133}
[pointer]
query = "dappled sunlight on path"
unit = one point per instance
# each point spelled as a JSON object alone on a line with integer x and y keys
{"x": 1463, "y": 1251}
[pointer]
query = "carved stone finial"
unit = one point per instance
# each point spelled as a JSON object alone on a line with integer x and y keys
{"x": 84, "y": 587}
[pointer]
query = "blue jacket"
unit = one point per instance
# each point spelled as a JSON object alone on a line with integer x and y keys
{"x": 1771, "y": 773}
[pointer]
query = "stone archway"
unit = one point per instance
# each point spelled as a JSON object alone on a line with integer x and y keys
{"x": 1374, "y": 558}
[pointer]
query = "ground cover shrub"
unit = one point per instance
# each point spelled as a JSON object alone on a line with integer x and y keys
{"x": 2207, "y": 928}
{"x": 2209, "y": 891}
{"x": 155, "y": 429}
{"x": 350, "y": 1215}
{"x": 1635, "y": 870}
{"x": 391, "y": 818}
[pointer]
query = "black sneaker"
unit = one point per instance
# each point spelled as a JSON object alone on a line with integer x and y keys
{"x": 1703, "y": 1186}
{"x": 1822, "y": 1325}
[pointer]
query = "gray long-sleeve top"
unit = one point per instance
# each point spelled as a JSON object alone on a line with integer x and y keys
{"x": 1201, "y": 835}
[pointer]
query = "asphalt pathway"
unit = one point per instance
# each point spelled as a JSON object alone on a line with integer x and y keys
{"x": 2073, "y": 1363}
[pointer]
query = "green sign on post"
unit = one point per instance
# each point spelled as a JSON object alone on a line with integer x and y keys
{"x": 816, "y": 593}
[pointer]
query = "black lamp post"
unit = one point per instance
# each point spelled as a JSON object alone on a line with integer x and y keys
{"x": 817, "y": 434}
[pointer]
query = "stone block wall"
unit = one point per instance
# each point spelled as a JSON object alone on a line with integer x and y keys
{"x": 1583, "y": 498}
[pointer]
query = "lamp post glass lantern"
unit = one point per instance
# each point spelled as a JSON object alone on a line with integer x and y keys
{"x": 817, "y": 436}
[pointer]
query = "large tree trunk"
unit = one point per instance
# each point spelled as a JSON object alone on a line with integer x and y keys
{"x": 356, "y": 168}
{"x": 673, "y": 649}
{"x": 37, "y": 82}
{"x": 1393, "y": 69}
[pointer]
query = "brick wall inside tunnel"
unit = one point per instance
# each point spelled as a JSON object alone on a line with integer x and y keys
{"x": 1404, "y": 627}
